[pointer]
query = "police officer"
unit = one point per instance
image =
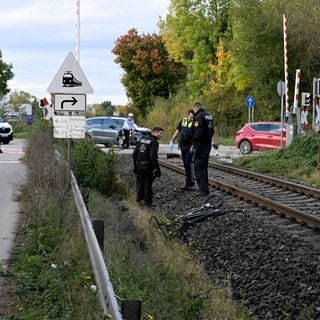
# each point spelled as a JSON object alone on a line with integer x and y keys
{"x": 146, "y": 166}
{"x": 184, "y": 131}
{"x": 202, "y": 131}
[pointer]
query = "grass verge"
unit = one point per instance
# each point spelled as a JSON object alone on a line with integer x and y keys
{"x": 299, "y": 161}
{"x": 163, "y": 274}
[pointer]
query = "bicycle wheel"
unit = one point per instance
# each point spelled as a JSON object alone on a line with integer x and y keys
{"x": 215, "y": 201}
{"x": 171, "y": 228}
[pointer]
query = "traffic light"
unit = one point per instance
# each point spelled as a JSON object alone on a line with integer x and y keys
{"x": 306, "y": 99}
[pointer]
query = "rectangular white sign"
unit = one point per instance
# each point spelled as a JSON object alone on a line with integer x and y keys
{"x": 70, "y": 102}
{"x": 69, "y": 127}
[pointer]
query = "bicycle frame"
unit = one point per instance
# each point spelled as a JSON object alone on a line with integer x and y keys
{"x": 181, "y": 223}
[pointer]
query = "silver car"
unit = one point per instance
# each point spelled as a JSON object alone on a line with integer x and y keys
{"x": 102, "y": 130}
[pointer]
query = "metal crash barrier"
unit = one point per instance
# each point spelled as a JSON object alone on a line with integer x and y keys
{"x": 130, "y": 309}
{"x": 107, "y": 297}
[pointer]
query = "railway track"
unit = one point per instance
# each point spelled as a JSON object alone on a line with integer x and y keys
{"x": 269, "y": 262}
{"x": 286, "y": 198}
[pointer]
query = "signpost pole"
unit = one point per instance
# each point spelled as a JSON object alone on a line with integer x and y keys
{"x": 69, "y": 154}
{"x": 250, "y": 104}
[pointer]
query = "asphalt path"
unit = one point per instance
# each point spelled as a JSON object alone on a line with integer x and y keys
{"x": 12, "y": 173}
{"x": 225, "y": 153}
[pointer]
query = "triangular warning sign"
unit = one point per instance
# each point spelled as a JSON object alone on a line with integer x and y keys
{"x": 70, "y": 78}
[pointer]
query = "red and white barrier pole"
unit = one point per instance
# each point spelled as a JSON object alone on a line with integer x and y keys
{"x": 286, "y": 72}
{"x": 77, "y": 49}
{"x": 296, "y": 91}
{"x": 44, "y": 104}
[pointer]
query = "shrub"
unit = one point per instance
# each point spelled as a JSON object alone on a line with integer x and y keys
{"x": 96, "y": 169}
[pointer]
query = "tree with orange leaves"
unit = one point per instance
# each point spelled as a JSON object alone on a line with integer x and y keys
{"x": 149, "y": 72}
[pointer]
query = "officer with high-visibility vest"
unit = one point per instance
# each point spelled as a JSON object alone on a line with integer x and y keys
{"x": 184, "y": 131}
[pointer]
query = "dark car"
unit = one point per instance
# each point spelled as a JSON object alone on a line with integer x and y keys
{"x": 6, "y": 133}
{"x": 257, "y": 136}
{"x": 102, "y": 130}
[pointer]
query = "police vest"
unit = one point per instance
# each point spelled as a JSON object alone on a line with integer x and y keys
{"x": 186, "y": 132}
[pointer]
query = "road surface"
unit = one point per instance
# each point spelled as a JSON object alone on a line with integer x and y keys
{"x": 12, "y": 173}
{"x": 226, "y": 153}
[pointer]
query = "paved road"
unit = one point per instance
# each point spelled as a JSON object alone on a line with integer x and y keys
{"x": 224, "y": 152}
{"x": 12, "y": 172}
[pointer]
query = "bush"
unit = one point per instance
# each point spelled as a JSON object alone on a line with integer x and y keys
{"x": 96, "y": 169}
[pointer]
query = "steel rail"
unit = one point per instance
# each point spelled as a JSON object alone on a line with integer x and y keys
{"x": 290, "y": 185}
{"x": 310, "y": 220}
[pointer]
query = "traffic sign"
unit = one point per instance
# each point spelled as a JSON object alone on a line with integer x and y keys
{"x": 250, "y": 102}
{"x": 281, "y": 88}
{"x": 69, "y": 102}
{"x": 71, "y": 127}
{"x": 70, "y": 78}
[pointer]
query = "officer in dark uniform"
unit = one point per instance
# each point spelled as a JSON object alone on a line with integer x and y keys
{"x": 146, "y": 166}
{"x": 184, "y": 131}
{"x": 203, "y": 130}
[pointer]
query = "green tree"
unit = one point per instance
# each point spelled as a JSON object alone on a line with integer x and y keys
{"x": 258, "y": 50}
{"x": 235, "y": 48}
{"x": 149, "y": 72}
{"x": 108, "y": 107}
{"x": 192, "y": 31}
{"x": 18, "y": 98}
{"x": 21, "y": 97}
{"x": 6, "y": 74}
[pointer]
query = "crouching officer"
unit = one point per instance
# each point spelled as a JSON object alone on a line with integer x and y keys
{"x": 146, "y": 166}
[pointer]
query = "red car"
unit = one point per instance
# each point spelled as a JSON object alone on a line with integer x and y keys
{"x": 257, "y": 136}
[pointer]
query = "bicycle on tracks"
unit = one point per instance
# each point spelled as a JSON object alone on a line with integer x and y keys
{"x": 211, "y": 208}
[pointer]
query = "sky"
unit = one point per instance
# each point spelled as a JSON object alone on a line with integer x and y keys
{"x": 36, "y": 36}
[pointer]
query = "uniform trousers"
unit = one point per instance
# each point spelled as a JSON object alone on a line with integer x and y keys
{"x": 201, "y": 159}
{"x": 144, "y": 185}
{"x": 187, "y": 158}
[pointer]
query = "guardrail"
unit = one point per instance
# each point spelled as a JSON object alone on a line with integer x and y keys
{"x": 107, "y": 297}
{"x": 131, "y": 309}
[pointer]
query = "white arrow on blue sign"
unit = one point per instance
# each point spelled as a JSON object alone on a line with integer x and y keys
{"x": 250, "y": 102}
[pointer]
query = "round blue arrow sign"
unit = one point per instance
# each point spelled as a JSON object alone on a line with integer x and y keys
{"x": 250, "y": 102}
